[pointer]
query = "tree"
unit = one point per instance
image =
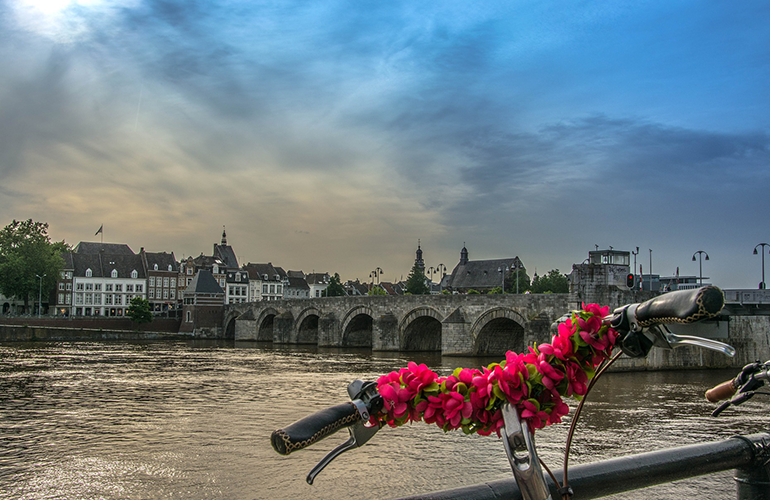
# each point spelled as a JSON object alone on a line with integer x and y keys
{"x": 523, "y": 277}
{"x": 416, "y": 283}
{"x": 377, "y": 290}
{"x": 553, "y": 282}
{"x": 139, "y": 310}
{"x": 27, "y": 253}
{"x": 335, "y": 288}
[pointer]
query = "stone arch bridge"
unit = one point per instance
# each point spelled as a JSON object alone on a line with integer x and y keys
{"x": 461, "y": 325}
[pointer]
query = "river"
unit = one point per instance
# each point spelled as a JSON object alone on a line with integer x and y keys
{"x": 193, "y": 421}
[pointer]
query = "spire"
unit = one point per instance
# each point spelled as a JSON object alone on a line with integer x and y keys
{"x": 224, "y": 236}
{"x": 420, "y": 263}
{"x": 463, "y": 255}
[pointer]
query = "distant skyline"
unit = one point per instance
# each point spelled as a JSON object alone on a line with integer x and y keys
{"x": 330, "y": 136}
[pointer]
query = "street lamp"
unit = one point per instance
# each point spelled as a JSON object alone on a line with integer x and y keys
{"x": 40, "y": 294}
{"x": 502, "y": 270}
{"x": 431, "y": 271}
{"x": 651, "y": 270}
{"x": 440, "y": 269}
{"x": 634, "y": 268}
{"x": 376, "y": 275}
{"x": 763, "y": 245}
{"x": 700, "y": 254}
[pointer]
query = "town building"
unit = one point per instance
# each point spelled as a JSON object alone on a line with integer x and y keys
{"x": 266, "y": 282}
{"x": 482, "y": 275}
{"x": 317, "y": 282}
{"x": 162, "y": 275}
{"x": 203, "y": 301}
{"x": 296, "y": 286}
{"x": 237, "y": 287}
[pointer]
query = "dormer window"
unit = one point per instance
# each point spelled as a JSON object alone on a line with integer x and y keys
{"x": 215, "y": 270}
{"x": 155, "y": 267}
{"x": 169, "y": 267}
{"x": 89, "y": 273}
{"x": 114, "y": 273}
{"x": 134, "y": 274}
{"x": 237, "y": 276}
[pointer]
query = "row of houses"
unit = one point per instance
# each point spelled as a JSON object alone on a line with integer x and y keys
{"x": 100, "y": 279}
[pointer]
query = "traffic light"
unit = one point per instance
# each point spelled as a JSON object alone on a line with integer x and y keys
{"x": 630, "y": 280}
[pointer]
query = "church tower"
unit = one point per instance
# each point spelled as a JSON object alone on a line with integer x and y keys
{"x": 463, "y": 256}
{"x": 418, "y": 261}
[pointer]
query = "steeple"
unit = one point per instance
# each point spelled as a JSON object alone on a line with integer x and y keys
{"x": 420, "y": 263}
{"x": 463, "y": 255}
{"x": 224, "y": 236}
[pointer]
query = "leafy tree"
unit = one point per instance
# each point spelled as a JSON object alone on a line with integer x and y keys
{"x": 335, "y": 288}
{"x": 553, "y": 282}
{"x": 473, "y": 292}
{"x": 523, "y": 277}
{"x": 139, "y": 310}
{"x": 26, "y": 252}
{"x": 416, "y": 283}
{"x": 377, "y": 290}
{"x": 495, "y": 291}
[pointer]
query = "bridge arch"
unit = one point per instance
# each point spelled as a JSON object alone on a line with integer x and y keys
{"x": 306, "y": 326}
{"x": 357, "y": 327}
{"x": 265, "y": 324}
{"x": 420, "y": 330}
{"x": 498, "y": 330}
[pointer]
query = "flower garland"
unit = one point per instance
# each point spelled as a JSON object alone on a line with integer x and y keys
{"x": 535, "y": 382}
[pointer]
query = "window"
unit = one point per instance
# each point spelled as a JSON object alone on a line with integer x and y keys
{"x": 189, "y": 316}
{"x": 89, "y": 273}
{"x": 173, "y": 282}
{"x": 63, "y": 275}
{"x": 165, "y": 282}
{"x": 134, "y": 274}
{"x": 165, "y": 293}
{"x": 130, "y": 288}
{"x": 108, "y": 287}
{"x": 79, "y": 287}
{"x": 155, "y": 267}
{"x": 157, "y": 292}
{"x": 61, "y": 286}
{"x": 79, "y": 298}
{"x": 69, "y": 287}
{"x": 98, "y": 299}
{"x": 152, "y": 281}
{"x": 222, "y": 282}
{"x": 173, "y": 294}
{"x": 118, "y": 287}
{"x": 215, "y": 270}
{"x": 151, "y": 292}
{"x": 61, "y": 299}
{"x": 118, "y": 299}
{"x": 264, "y": 288}
{"x": 69, "y": 275}
{"x": 114, "y": 273}
{"x": 189, "y": 271}
{"x": 108, "y": 299}
{"x": 317, "y": 293}
{"x": 89, "y": 287}
{"x": 237, "y": 276}
{"x": 272, "y": 288}
{"x": 139, "y": 288}
{"x": 169, "y": 267}
{"x": 68, "y": 299}
{"x": 98, "y": 287}
{"x": 278, "y": 288}
{"x": 189, "y": 280}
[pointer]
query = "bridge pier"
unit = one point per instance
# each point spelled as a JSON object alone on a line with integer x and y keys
{"x": 328, "y": 331}
{"x": 385, "y": 333}
{"x": 455, "y": 331}
{"x": 283, "y": 326}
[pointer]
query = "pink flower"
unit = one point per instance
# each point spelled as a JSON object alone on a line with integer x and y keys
{"x": 395, "y": 400}
{"x": 417, "y": 377}
{"x": 576, "y": 379}
{"x": 532, "y": 413}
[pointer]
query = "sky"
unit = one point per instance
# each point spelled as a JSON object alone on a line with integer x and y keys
{"x": 332, "y": 136}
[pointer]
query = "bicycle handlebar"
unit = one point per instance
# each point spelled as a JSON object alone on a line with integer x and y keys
{"x": 313, "y": 428}
{"x": 684, "y": 306}
{"x": 723, "y": 391}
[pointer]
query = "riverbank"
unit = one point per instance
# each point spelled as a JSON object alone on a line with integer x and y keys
{"x": 87, "y": 329}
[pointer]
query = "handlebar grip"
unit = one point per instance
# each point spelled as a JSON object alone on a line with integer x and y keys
{"x": 684, "y": 306}
{"x": 313, "y": 428}
{"x": 723, "y": 391}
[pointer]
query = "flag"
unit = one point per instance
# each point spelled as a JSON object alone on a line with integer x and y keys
{"x": 101, "y": 229}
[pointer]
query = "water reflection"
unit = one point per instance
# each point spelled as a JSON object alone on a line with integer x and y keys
{"x": 192, "y": 420}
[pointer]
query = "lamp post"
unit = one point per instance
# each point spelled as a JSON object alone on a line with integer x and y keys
{"x": 763, "y": 245}
{"x": 700, "y": 254}
{"x": 651, "y": 269}
{"x": 430, "y": 272}
{"x": 440, "y": 269}
{"x": 502, "y": 270}
{"x": 376, "y": 275}
{"x": 634, "y": 268}
{"x": 40, "y": 294}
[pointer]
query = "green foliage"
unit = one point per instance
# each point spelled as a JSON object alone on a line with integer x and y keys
{"x": 495, "y": 291}
{"x": 553, "y": 282}
{"x": 416, "y": 283}
{"x": 446, "y": 292}
{"x": 335, "y": 288}
{"x": 473, "y": 292}
{"x": 139, "y": 310}
{"x": 523, "y": 277}
{"x": 377, "y": 290}
{"x": 26, "y": 252}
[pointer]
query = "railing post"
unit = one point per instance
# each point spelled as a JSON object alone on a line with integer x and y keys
{"x": 753, "y": 479}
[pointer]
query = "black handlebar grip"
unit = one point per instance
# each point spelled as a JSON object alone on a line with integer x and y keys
{"x": 684, "y": 306}
{"x": 723, "y": 391}
{"x": 313, "y": 428}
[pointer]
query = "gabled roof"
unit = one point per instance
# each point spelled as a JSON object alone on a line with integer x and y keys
{"x": 204, "y": 283}
{"x": 227, "y": 255}
{"x": 102, "y": 265}
{"x": 317, "y": 279}
{"x": 258, "y": 272}
{"x": 298, "y": 283}
{"x": 481, "y": 274}
{"x": 162, "y": 259}
{"x": 86, "y": 247}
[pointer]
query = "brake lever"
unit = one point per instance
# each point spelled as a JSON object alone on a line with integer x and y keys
{"x": 366, "y": 400}
{"x": 663, "y": 337}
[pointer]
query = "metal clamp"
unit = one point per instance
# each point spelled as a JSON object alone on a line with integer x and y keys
{"x": 520, "y": 447}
